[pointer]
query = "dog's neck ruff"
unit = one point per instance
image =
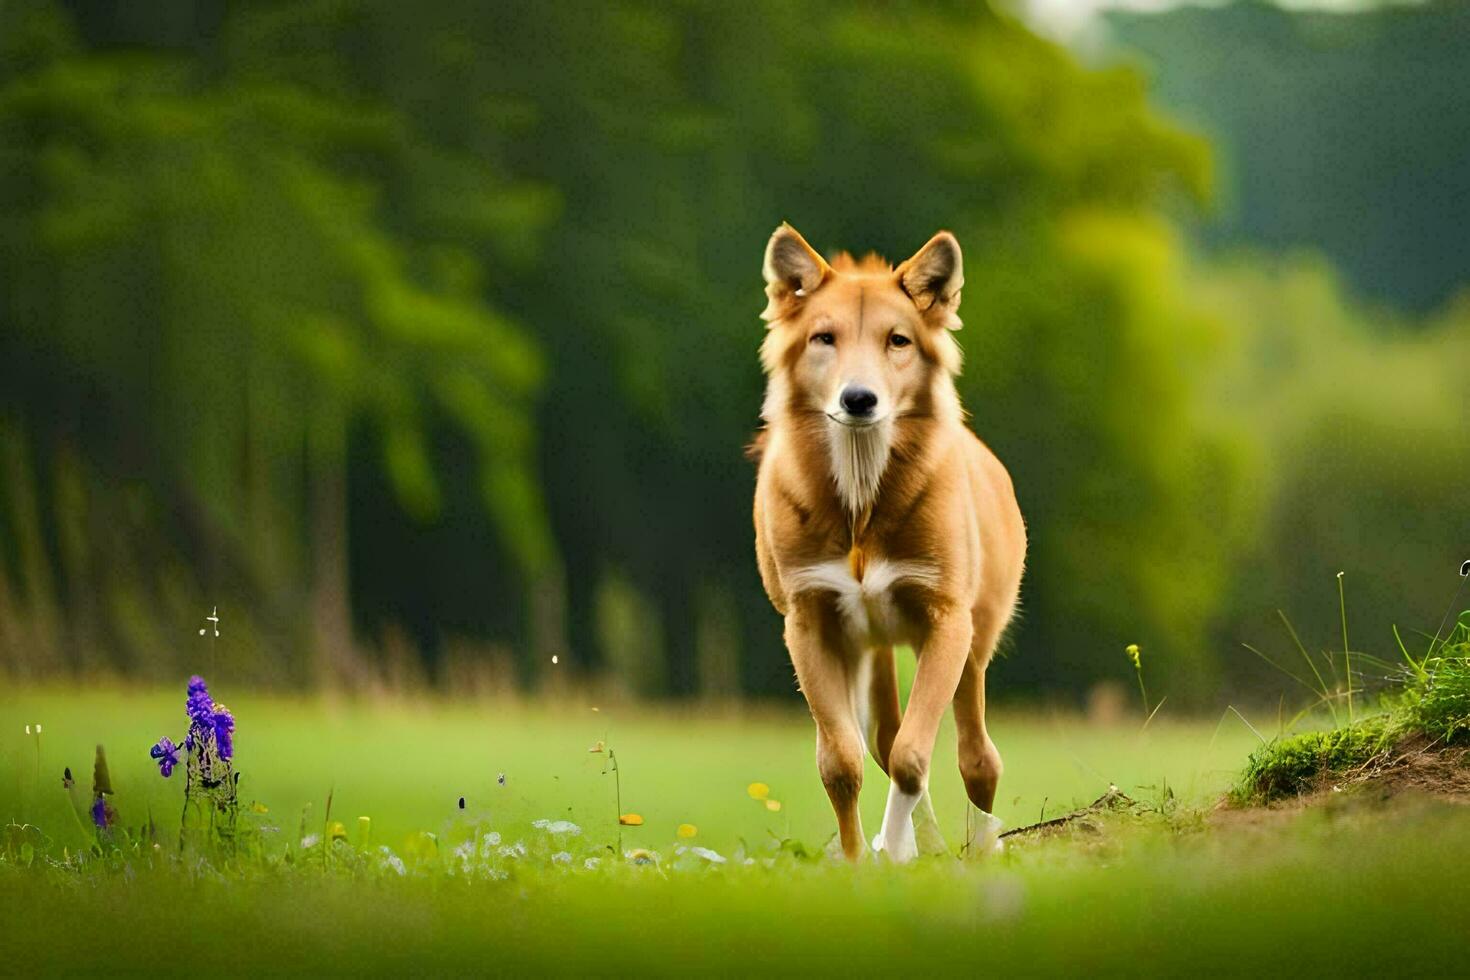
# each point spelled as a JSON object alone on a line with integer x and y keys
{"x": 859, "y": 457}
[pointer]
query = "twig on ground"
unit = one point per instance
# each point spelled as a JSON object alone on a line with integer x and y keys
{"x": 1113, "y": 799}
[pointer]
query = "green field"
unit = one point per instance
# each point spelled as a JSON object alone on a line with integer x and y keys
{"x": 1355, "y": 887}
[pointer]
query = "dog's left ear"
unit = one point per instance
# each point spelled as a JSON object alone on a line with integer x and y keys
{"x": 933, "y": 279}
{"x": 792, "y": 270}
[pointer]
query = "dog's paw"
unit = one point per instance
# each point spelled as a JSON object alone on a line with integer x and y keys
{"x": 987, "y": 841}
{"x": 903, "y": 852}
{"x": 900, "y": 848}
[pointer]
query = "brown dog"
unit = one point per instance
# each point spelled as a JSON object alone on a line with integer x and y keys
{"x": 881, "y": 519}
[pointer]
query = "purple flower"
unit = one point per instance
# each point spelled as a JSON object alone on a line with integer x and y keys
{"x": 199, "y": 705}
{"x": 102, "y": 814}
{"x": 167, "y": 754}
{"x": 224, "y": 731}
{"x": 207, "y": 720}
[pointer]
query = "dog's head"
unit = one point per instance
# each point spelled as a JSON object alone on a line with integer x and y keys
{"x": 862, "y": 343}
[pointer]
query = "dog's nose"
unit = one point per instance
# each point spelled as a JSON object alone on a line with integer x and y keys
{"x": 858, "y": 401}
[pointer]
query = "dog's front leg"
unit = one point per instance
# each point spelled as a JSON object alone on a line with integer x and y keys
{"x": 824, "y": 675}
{"x": 941, "y": 660}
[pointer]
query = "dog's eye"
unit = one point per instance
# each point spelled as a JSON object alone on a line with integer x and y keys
{"x": 899, "y": 340}
{"x": 824, "y": 338}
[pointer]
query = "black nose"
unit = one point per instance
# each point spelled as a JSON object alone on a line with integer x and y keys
{"x": 858, "y": 401}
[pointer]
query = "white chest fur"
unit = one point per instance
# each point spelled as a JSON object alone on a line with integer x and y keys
{"x": 866, "y": 606}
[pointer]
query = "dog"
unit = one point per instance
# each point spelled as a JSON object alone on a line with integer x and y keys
{"x": 881, "y": 519}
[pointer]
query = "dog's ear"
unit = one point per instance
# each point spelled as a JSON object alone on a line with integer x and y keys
{"x": 792, "y": 270}
{"x": 933, "y": 279}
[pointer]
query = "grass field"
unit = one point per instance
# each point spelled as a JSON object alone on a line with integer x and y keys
{"x": 1357, "y": 887}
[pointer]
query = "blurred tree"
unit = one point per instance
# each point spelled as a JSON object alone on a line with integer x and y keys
{"x": 680, "y": 135}
{"x": 271, "y": 274}
{"x": 198, "y": 291}
{"x": 1341, "y": 132}
{"x": 1360, "y": 416}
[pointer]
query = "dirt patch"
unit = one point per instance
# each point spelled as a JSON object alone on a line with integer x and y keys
{"x": 1417, "y": 765}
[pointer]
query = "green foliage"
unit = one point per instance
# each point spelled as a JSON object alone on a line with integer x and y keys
{"x": 1296, "y": 764}
{"x": 675, "y": 152}
{"x": 1337, "y": 129}
{"x": 1356, "y": 430}
{"x": 202, "y": 281}
{"x": 1437, "y": 696}
{"x": 371, "y": 320}
{"x": 1433, "y": 705}
{"x": 314, "y": 237}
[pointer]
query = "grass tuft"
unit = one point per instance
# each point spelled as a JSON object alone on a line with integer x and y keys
{"x": 1439, "y": 705}
{"x": 1297, "y": 764}
{"x": 1430, "y": 707}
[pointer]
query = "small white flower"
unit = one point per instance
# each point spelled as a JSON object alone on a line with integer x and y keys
{"x": 540, "y": 824}
{"x": 491, "y": 839}
{"x": 465, "y": 851}
{"x": 563, "y": 827}
{"x": 391, "y": 861}
{"x": 311, "y": 840}
{"x": 708, "y": 855}
{"x": 516, "y": 850}
{"x": 591, "y": 864}
{"x": 212, "y": 618}
{"x": 561, "y": 857}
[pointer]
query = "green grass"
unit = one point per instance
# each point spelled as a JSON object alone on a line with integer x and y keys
{"x": 406, "y": 764}
{"x": 1163, "y": 889}
{"x": 1429, "y": 707}
{"x": 1299, "y": 763}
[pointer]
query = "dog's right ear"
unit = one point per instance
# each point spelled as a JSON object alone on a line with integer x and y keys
{"x": 792, "y": 269}
{"x": 933, "y": 278}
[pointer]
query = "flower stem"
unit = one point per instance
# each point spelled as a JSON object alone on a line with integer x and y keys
{"x": 1346, "y": 654}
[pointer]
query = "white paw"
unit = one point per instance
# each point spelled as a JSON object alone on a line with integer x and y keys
{"x": 900, "y": 848}
{"x": 986, "y": 842}
{"x": 897, "y": 833}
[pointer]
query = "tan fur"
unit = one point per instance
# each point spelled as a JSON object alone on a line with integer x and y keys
{"x": 930, "y": 555}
